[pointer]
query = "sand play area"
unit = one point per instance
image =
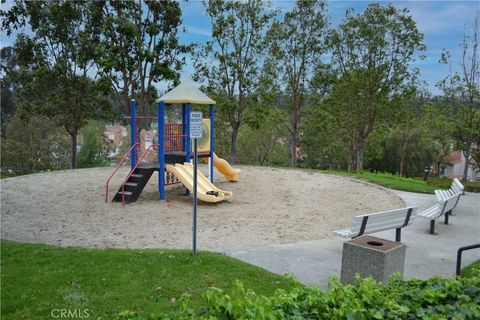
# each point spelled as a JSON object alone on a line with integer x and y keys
{"x": 269, "y": 206}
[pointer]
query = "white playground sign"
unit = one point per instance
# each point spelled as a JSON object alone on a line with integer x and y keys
{"x": 196, "y": 129}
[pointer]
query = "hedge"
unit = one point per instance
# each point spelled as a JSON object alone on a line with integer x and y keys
{"x": 446, "y": 183}
{"x": 436, "y": 298}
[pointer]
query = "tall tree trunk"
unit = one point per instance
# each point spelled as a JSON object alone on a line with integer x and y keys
{"x": 73, "y": 136}
{"x": 141, "y": 111}
{"x": 293, "y": 149}
{"x": 126, "y": 97}
{"x": 360, "y": 153}
{"x": 402, "y": 158}
{"x": 402, "y": 165}
{"x": 467, "y": 153}
{"x": 233, "y": 143}
{"x": 352, "y": 154}
{"x": 295, "y": 116}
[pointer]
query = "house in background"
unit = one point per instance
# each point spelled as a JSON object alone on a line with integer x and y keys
{"x": 114, "y": 135}
{"x": 454, "y": 163}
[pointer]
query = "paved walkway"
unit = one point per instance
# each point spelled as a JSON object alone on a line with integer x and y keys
{"x": 313, "y": 262}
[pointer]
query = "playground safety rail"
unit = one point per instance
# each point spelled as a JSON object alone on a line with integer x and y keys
{"x": 118, "y": 167}
{"x": 133, "y": 170}
{"x": 168, "y": 138}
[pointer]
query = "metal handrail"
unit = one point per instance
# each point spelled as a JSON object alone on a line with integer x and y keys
{"x": 131, "y": 172}
{"x": 459, "y": 255}
{"x": 118, "y": 167}
{"x": 171, "y": 137}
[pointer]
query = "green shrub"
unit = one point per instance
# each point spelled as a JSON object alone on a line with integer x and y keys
{"x": 436, "y": 298}
{"x": 446, "y": 183}
{"x": 472, "y": 186}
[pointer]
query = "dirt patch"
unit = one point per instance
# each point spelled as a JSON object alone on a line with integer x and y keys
{"x": 269, "y": 206}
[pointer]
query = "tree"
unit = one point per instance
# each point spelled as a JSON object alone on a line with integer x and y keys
{"x": 8, "y": 63}
{"x": 141, "y": 47}
{"x": 297, "y": 44}
{"x": 56, "y": 62}
{"x": 324, "y": 144}
{"x": 33, "y": 144}
{"x": 462, "y": 92}
{"x": 231, "y": 62}
{"x": 93, "y": 152}
{"x": 410, "y": 140}
{"x": 260, "y": 145}
{"x": 373, "y": 52}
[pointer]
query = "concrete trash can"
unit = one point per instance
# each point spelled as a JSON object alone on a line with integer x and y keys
{"x": 371, "y": 257}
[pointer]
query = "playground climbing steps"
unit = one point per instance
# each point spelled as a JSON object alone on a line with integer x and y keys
{"x": 134, "y": 185}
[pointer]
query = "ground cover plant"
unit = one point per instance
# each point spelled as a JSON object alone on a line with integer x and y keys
{"x": 435, "y": 298}
{"x": 39, "y": 278}
{"x": 472, "y": 270}
{"x": 170, "y": 284}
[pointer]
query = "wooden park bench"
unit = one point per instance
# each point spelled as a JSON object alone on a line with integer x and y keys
{"x": 380, "y": 221}
{"x": 444, "y": 206}
{"x": 457, "y": 187}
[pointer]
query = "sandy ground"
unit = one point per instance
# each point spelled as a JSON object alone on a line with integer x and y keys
{"x": 269, "y": 206}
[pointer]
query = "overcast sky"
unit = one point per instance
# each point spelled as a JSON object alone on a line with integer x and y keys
{"x": 443, "y": 24}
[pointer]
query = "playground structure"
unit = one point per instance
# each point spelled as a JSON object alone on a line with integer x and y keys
{"x": 173, "y": 152}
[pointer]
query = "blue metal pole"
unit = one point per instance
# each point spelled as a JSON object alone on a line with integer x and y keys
{"x": 161, "y": 149}
{"x": 133, "y": 133}
{"x": 188, "y": 145}
{"x": 184, "y": 116}
{"x": 212, "y": 140}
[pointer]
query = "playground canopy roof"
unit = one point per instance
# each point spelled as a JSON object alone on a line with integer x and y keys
{"x": 185, "y": 93}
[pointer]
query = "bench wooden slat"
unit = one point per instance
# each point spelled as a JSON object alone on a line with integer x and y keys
{"x": 374, "y": 222}
{"x": 379, "y": 221}
{"x": 345, "y": 233}
{"x": 389, "y": 212}
{"x": 432, "y": 212}
{"x": 446, "y": 194}
{"x": 380, "y": 226}
{"x": 458, "y": 184}
{"x": 444, "y": 207}
{"x": 439, "y": 195}
{"x": 452, "y": 203}
{"x": 456, "y": 189}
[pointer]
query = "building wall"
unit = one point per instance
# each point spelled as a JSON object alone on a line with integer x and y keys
{"x": 458, "y": 169}
{"x": 473, "y": 174}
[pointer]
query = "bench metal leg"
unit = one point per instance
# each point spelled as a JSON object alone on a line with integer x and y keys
{"x": 398, "y": 234}
{"x": 432, "y": 226}
{"x": 447, "y": 214}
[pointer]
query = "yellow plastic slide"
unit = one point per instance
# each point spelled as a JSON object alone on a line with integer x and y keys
{"x": 185, "y": 176}
{"x": 225, "y": 168}
{"x": 205, "y": 182}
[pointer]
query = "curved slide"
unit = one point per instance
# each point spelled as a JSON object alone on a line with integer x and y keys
{"x": 225, "y": 168}
{"x": 185, "y": 176}
{"x": 204, "y": 181}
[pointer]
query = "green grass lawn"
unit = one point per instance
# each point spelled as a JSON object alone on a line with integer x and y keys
{"x": 38, "y": 278}
{"x": 390, "y": 181}
{"x": 471, "y": 270}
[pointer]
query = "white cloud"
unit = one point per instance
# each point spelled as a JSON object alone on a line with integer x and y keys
{"x": 198, "y": 30}
{"x": 436, "y": 18}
